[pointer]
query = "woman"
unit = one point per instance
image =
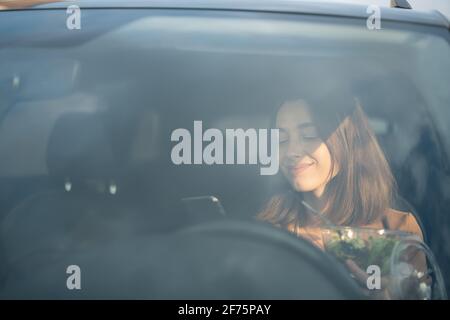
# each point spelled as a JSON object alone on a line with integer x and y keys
{"x": 335, "y": 170}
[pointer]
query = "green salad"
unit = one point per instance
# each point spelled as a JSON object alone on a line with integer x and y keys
{"x": 364, "y": 252}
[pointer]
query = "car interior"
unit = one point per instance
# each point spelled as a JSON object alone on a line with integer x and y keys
{"x": 86, "y": 172}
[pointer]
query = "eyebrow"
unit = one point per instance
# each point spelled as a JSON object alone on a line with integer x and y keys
{"x": 301, "y": 126}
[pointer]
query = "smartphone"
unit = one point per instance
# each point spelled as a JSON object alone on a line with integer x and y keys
{"x": 203, "y": 208}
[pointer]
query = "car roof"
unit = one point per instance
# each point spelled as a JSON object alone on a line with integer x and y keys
{"x": 283, "y": 6}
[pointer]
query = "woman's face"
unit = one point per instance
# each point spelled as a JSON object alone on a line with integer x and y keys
{"x": 304, "y": 158}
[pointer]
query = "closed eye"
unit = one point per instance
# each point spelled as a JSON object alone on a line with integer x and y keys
{"x": 284, "y": 136}
{"x": 309, "y": 137}
{"x": 308, "y": 132}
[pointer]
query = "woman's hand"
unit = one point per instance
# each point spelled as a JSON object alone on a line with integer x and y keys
{"x": 361, "y": 277}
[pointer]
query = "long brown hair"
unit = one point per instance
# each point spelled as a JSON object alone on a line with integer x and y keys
{"x": 364, "y": 186}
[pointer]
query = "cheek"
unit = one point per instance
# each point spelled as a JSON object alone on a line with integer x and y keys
{"x": 282, "y": 158}
{"x": 323, "y": 160}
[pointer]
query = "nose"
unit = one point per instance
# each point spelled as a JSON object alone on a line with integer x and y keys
{"x": 295, "y": 149}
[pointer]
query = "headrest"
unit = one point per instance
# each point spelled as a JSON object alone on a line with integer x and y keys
{"x": 79, "y": 148}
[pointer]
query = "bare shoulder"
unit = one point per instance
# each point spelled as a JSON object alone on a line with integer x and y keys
{"x": 403, "y": 221}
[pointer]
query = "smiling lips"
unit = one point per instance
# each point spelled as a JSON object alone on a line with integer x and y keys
{"x": 300, "y": 168}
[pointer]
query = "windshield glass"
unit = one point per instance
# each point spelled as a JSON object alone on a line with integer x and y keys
{"x": 145, "y": 121}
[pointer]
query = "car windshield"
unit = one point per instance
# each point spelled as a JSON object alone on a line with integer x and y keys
{"x": 143, "y": 122}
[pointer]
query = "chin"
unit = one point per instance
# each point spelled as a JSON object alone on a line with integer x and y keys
{"x": 303, "y": 187}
